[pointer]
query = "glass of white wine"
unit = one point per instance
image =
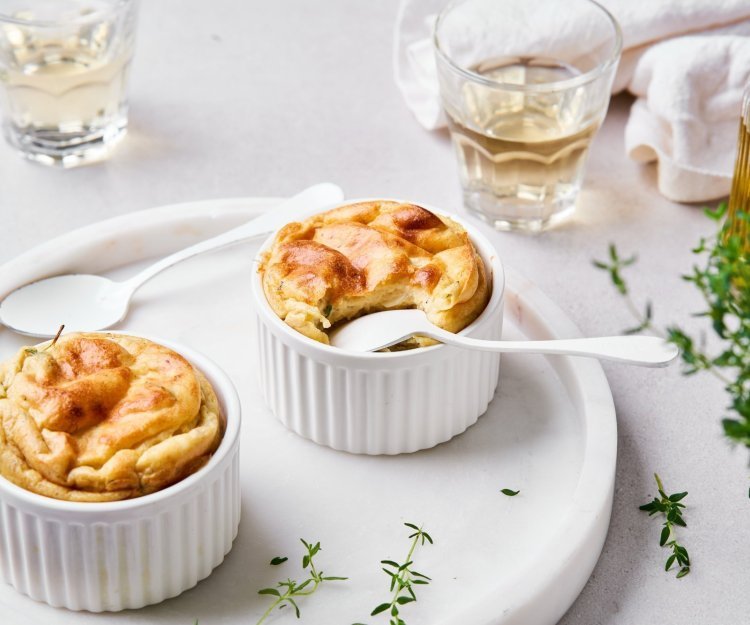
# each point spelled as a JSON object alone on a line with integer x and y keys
{"x": 64, "y": 68}
{"x": 525, "y": 85}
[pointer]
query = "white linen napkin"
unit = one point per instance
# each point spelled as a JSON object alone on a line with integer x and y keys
{"x": 686, "y": 61}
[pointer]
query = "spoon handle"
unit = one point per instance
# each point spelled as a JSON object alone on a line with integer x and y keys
{"x": 294, "y": 208}
{"x": 647, "y": 351}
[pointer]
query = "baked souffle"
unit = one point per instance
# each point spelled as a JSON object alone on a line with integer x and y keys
{"x": 104, "y": 417}
{"x": 373, "y": 256}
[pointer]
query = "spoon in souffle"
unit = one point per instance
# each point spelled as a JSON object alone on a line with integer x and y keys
{"x": 383, "y": 329}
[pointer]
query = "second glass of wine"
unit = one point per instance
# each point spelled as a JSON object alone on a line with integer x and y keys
{"x": 525, "y": 85}
{"x": 64, "y": 68}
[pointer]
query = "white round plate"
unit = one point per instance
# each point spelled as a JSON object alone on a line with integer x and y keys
{"x": 550, "y": 433}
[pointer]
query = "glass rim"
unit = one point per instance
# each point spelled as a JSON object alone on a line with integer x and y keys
{"x": 83, "y": 19}
{"x": 557, "y": 85}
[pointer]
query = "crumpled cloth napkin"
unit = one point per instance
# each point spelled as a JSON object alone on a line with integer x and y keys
{"x": 686, "y": 61}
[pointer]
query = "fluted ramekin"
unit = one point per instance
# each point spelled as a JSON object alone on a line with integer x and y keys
{"x": 379, "y": 403}
{"x": 127, "y": 554}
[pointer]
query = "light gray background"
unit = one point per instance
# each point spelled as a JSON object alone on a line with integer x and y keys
{"x": 250, "y": 98}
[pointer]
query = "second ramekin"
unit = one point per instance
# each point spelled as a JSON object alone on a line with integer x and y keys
{"x": 379, "y": 403}
{"x": 131, "y": 553}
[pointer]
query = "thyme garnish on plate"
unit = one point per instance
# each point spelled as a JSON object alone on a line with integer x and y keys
{"x": 671, "y": 508}
{"x": 509, "y": 493}
{"x": 403, "y": 579}
{"x": 286, "y": 591}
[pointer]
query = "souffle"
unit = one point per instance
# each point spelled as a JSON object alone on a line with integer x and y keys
{"x": 373, "y": 256}
{"x": 103, "y": 417}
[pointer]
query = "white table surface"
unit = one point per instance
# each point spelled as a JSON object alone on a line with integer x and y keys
{"x": 262, "y": 99}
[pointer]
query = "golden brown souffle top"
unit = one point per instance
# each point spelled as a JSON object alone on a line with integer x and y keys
{"x": 372, "y": 256}
{"x": 103, "y": 417}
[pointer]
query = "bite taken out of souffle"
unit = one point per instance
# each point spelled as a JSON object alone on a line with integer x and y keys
{"x": 103, "y": 417}
{"x": 372, "y": 256}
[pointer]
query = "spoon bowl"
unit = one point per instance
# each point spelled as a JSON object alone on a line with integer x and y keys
{"x": 82, "y": 302}
{"x": 379, "y": 330}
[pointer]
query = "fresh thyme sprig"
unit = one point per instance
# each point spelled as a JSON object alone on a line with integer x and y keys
{"x": 286, "y": 591}
{"x": 614, "y": 267}
{"x": 403, "y": 578}
{"x": 723, "y": 281}
{"x": 671, "y": 508}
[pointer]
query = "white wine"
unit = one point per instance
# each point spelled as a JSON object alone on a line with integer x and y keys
{"x": 65, "y": 94}
{"x": 524, "y": 150}
{"x": 64, "y": 68}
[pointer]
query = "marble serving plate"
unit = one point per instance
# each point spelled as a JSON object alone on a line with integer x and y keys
{"x": 550, "y": 432}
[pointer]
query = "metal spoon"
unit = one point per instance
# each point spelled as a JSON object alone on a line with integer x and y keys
{"x": 379, "y": 330}
{"x": 87, "y": 302}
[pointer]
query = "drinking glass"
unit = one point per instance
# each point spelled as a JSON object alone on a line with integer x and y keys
{"x": 525, "y": 85}
{"x": 64, "y": 68}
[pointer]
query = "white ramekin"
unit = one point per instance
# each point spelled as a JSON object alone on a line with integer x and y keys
{"x": 127, "y": 554}
{"x": 379, "y": 403}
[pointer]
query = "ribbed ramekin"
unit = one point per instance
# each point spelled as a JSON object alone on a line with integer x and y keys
{"x": 379, "y": 403}
{"x": 131, "y": 553}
